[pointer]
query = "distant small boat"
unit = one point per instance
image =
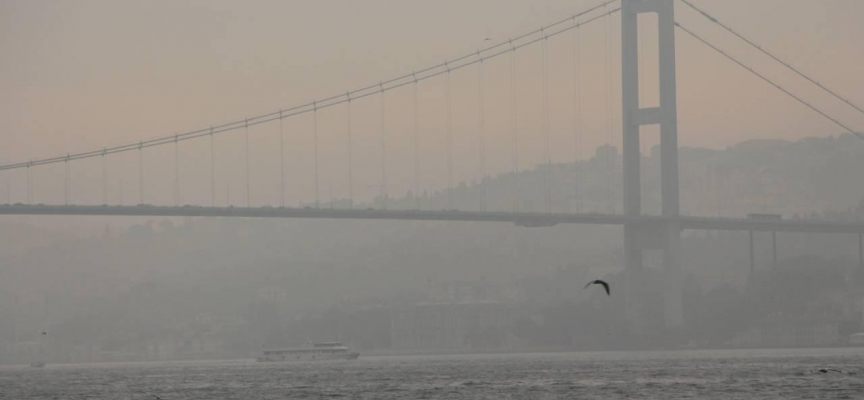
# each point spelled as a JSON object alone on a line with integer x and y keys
{"x": 316, "y": 352}
{"x": 37, "y": 364}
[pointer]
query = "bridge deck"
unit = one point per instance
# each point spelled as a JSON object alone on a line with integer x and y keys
{"x": 521, "y": 219}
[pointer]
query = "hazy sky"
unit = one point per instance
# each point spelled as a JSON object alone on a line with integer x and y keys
{"x": 82, "y": 75}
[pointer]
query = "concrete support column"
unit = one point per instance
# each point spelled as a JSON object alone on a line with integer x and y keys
{"x": 668, "y": 108}
{"x": 630, "y": 153}
{"x": 774, "y": 248}
{"x": 630, "y": 107}
{"x": 673, "y": 296}
{"x": 633, "y": 116}
{"x": 861, "y": 250}
{"x": 752, "y": 256}
{"x": 633, "y": 273}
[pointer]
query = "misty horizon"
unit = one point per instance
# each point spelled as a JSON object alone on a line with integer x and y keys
{"x": 409, "y": 199}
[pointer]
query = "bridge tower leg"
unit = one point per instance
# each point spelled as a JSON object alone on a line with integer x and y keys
{"x": 860, "y": 274}
{"x": 636, "y": 238}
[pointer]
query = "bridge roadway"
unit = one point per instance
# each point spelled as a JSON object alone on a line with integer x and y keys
{"x": 520, "y": 219}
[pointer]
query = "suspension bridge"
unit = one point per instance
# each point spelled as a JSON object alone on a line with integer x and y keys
{"x": 403, "y": 200}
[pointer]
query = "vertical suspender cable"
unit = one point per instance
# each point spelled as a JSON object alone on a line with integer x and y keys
{"x": 639, "y": 57}
{"x": 212, "y": 171}
{"x": 315, "y": 138}
{"x": 383, "y": 147}
{"x": 416, "y": 148}
{"x": 614, "y": 106}
{"x": 514, "y": 135}
{"x": 545, "y": 104}
{"x": 281, "y": 161}
{"x": 29, "y": 183}
{"x": 246, "y": 132}
{"x": 104, "y": 179}
{"x": 481, "y": 113}
{"x": 449, "y": 142}
{"x": 577, "y": 117}
{"x": 640, "y": 48}
{"x": 608, "y": 100}
{"x": 141, "y": 173}
{"x": 65, "y": 188}
{"x": 176, "y": 172}
{"x": 350, "y": 153}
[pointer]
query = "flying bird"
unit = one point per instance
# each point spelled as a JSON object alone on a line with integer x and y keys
{"x": 44, "y": 333}
{"x": 599, "y": 282}
{"x": 487, "y": 39}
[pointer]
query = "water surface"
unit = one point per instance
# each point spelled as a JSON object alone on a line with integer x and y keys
{"x": 714, "y": 374}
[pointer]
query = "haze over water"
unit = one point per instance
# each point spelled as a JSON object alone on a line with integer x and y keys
{"x": 517, "y": 154}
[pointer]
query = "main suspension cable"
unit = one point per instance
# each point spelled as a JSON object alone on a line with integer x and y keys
{"x": 772, "y": 56}
{"x": 790, "y": 94}
{"x": 370, "y": 90}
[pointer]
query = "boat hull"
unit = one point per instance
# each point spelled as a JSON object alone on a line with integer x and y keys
{"x": 308, "y": 357}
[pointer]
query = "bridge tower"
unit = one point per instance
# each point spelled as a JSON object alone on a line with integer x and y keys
{"x": 665, "y": 236}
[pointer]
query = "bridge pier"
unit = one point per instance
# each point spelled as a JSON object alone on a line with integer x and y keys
{"x": 666, "y": 236}
{"x": 861, "y": 250}
{"x": 673, "y": 278}
{"x": 633, "y": 279}
{"x": 752, "y": 254}
{"x": 774, "y": 249}
{"x": 655, "y": 236}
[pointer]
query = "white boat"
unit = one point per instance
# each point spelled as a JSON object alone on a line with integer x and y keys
{"x": 317, "y": 351}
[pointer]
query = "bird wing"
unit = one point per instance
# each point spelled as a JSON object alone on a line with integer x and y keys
{"x": 605, "y": 286}
{"x": 588, "y": 284}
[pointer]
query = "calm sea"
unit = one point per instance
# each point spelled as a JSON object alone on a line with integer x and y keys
{"x": 714, "y": 374}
